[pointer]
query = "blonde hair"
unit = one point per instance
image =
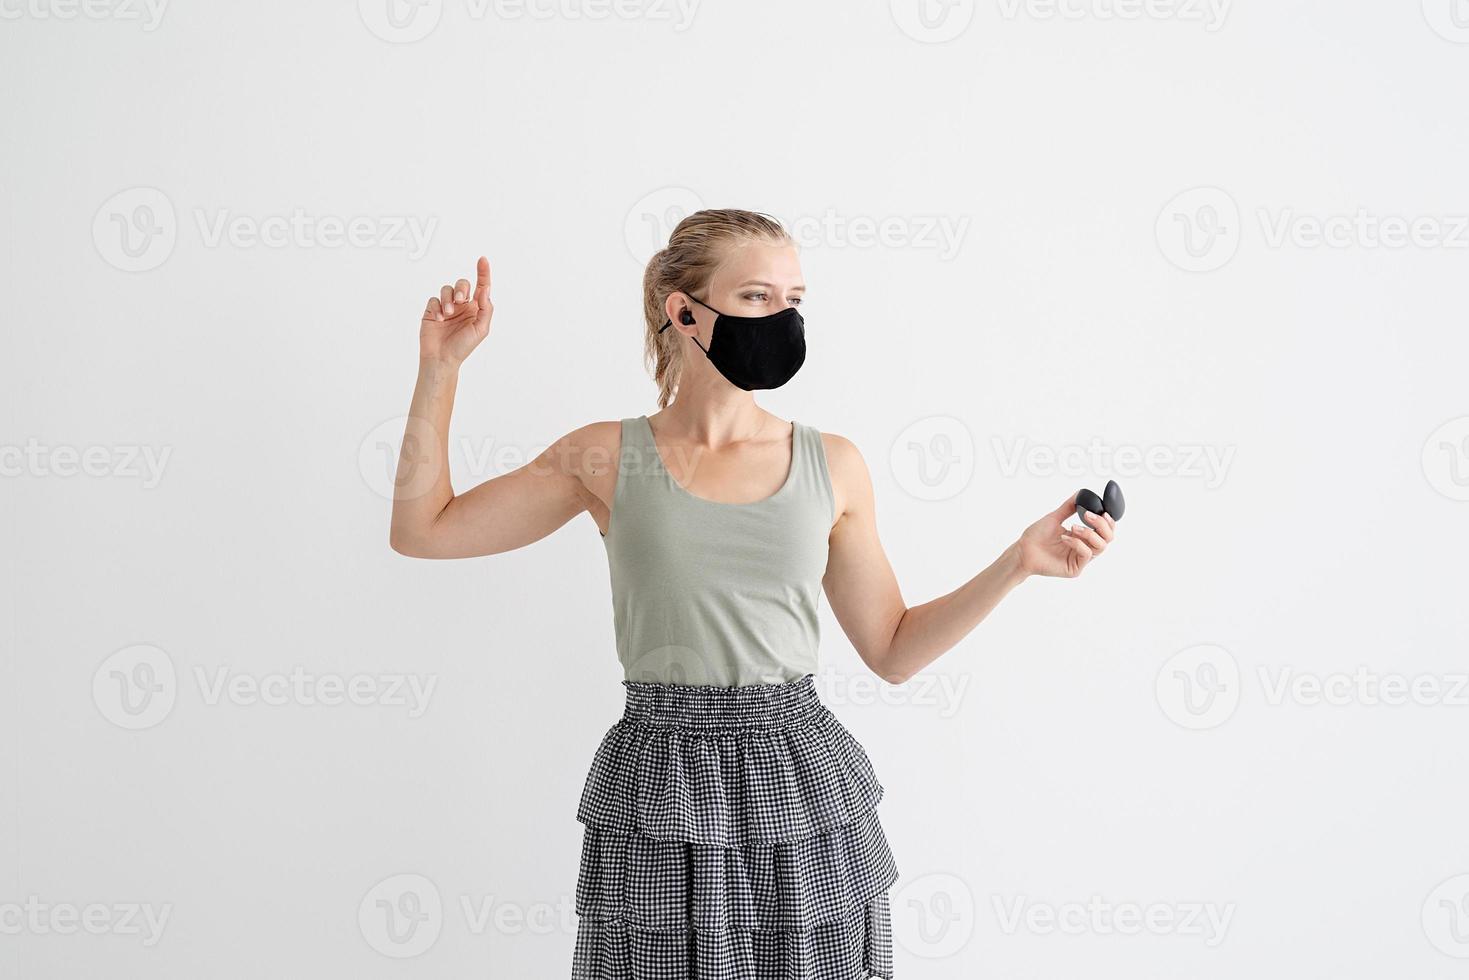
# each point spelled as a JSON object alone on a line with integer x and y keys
{"x": 695, "y": 250}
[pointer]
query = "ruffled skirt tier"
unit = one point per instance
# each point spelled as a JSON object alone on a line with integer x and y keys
{"x": 731, "y": 833}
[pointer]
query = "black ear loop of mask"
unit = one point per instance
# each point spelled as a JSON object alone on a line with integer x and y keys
{"x": 669, "y": 323}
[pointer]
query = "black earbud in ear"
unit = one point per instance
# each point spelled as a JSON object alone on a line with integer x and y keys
{"x": 686, "y": 318}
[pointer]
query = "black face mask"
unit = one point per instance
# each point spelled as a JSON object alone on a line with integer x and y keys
{"x": 753, "y": 352}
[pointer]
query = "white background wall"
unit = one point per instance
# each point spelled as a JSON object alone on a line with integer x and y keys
{"x": 203, "y": 386}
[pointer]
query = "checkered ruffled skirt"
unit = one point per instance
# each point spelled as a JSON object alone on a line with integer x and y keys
{"x": 731, "y": 833}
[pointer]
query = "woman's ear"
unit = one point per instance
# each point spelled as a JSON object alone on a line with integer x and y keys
{"x": 676, "y": 309}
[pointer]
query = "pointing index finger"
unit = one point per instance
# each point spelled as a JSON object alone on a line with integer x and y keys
{"x": 482, "y": 278}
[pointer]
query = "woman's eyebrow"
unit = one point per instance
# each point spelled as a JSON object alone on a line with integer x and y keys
{"x": 758, "y": 282}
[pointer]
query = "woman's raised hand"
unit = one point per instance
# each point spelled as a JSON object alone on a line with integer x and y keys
{"x": 1048, "y": 548}
{"x": 454, "y": 322}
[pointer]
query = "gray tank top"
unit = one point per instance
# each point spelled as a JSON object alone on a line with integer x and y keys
{"x": 714, "y": 593}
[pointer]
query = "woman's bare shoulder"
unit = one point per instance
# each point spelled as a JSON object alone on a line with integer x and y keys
{"x": 850, "y": 480}
{"x": 840, "y": 451}
{"x": 588, "y": 451}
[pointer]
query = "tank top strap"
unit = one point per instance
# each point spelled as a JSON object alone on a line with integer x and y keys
{"x": 810, "y": 475}
{"x": 638, "y": 464}
{"x": 634, "y": 435}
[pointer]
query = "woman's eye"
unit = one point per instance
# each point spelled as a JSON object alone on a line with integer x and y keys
{"x": 795, "y": 301}
{"x": 757, "y": 297}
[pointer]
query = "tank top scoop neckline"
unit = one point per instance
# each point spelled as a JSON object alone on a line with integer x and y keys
{"x": 707, "y": 592}
{"x": 656, "y": 460}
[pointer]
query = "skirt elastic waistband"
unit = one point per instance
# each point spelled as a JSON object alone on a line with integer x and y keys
{"x": 700, "y": 706}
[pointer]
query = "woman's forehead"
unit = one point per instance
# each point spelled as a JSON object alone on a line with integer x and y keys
{"x": 776, "y": 265}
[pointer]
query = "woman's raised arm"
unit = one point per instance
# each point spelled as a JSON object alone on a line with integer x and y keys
{"x": 503, "y": 513}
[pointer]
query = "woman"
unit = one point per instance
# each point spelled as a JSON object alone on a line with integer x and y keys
{"x": 730, "y": 820}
